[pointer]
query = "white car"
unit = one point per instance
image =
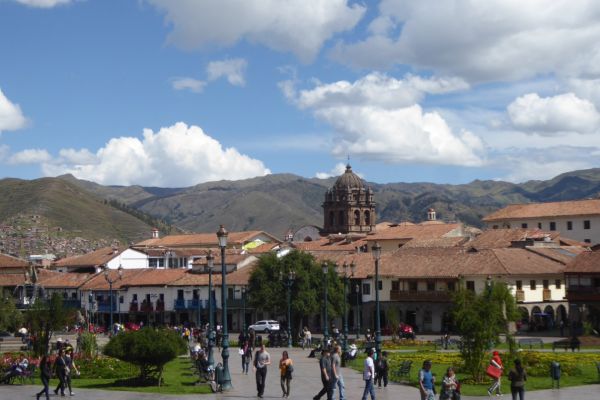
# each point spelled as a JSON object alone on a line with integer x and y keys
{"x": 265, "y": 326}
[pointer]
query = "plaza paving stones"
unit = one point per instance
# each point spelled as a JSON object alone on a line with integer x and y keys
{"x": 305, "y": 384}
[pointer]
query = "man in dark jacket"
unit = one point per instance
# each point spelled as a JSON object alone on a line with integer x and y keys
{"x": 328, "y": 375}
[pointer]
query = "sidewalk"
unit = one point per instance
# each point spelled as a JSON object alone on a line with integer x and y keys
{"x": 305, "y": 384}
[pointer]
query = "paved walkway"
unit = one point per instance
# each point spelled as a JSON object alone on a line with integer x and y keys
{"x": 305, "y": 385}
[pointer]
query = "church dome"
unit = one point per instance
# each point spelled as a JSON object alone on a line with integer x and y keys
{"x": 349, "y": 179}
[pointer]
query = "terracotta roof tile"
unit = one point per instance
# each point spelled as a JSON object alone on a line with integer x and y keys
{"x": 587, "y": 262}
{"x": 412, "y": 231}
{"x": 544, "y": 210}
{"x": 501, "y": 238}
{"x": 204, "y": 239}
{"x": 52, "y": 279}
{"x": 96, "y": 258}
{"x": 7, "y": 261}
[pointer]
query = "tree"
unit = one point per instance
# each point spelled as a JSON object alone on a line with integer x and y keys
{"x": 480, "y": 319}
{"x": 147, "y": 348}
{"x": 10, "y": 318}
{"x": 266, "y": 290}
{"x": 44, "y": 318}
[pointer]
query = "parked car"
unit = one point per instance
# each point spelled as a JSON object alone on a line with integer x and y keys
{"x": 405, "y": 331}
{"x": 265, "y": 326}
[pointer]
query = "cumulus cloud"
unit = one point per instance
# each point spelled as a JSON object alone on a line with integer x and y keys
{"x": 185, "y": 83}
{"x": 232, "y": 69}
{"x": 377, "y": 118}
{"x": 338, "y": 170}
{"x": 43, "y": 3}
{"x": 495, "y": 40}
{"x": 11, "y": 116}
{"x": 29, "y": 156}
{"x": 295, "y": 26}
{"x": 175, "y": 156}
{"x": 552, "y": 115}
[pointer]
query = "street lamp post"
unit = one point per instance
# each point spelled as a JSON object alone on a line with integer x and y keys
{"x": 210, "y": 259}
{"x": 377, "y": 257}
{"x": 222, "y": 237}
{"x": 289, "y": 281}
{"x": 357, "y": 291}
{"x": 346, "y": 277}
{"x": 110, "y": 290}
{"x": 244, "y": 311}
{"x": 325, "y": 268}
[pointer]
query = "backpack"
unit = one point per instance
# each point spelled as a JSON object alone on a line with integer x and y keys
{"x": 288, "y": 371}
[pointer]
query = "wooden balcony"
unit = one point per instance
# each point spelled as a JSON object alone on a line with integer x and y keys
{"x": 583, "y": 294}
{"x": 133, "y": 307}
{"x": 160, "y": 305}
{"x": 520, "y": 296}
{"x": 439, "y": 296}
{"x": 547, "y": 295}
{"x": 146, "y": 307}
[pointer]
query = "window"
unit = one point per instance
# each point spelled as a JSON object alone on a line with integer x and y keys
{"x": 546, "y": 284}
{"x": 356, "y": 217}
{"x": 179, "y": 294}
{"x": 552, "y": 226}
{"x": 532, "y": 284}
{"x": 395, "y": 286}
{"x": 74, "y": 295}
{"x": 331, "y": 218}
{"x": 161, "y": 297}
{"x": 121, "y": 299}
{"x": 519, "y": 285}
{"x": 471, "y": 285}
{"x": 152, "y": 262}
{"x": 558, "y": 283}
{"x": 380, "y": 285}
{"x": 587, "y": 240}
{"x": 451, "y": 286}
{"x": 524, "y": 225}
{"x": 412, "y": 286}
{"x": 230, "y": 292}
{"x": 195, "y": 295}
{"x": 569, "y": 225}
{"x": 430, "y": 286}
{"x": 147, "y": 298}
{"x": 134, "y": 297}
{"x": 539, "y": 225}
{"x": 366, "y": 289}
{"x": 341, "y": 218}
{"x": 367, "y": 218}
{"x": 586, "y": 224}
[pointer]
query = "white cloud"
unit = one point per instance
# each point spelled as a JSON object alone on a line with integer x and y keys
{"x": 494, "y": 40}
{"x": 232, "y": 69}
{"x": 29, "y": 156}
{"x": 338, "y": 170}
{"x": 295, "y": 26}
{"x": 175, "y": 156}
{"x": 553, "y": 115}
{"x": 377, "y": 118}
{"x": 191, "y": 84}
{"x": 43, "y": 3}
{"x": 11, "y": 116}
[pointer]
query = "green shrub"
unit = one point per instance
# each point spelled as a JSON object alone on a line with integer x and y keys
{"x": 105, "y": 368}
{"x": 88, "y": 345}
{"x": 149, "y": 349}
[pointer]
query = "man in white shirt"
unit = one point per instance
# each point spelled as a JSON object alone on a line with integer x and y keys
{"x": 369, "y": 375}
{"x": 261, "y": 360}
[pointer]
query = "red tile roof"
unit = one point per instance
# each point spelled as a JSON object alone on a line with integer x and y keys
{"x": 204, "y": 239}
{"x": 501, "y": 238}
{"x": 52, "y": 279}
{"x": 588, "y": 262}
{"x": 421, "y": 231}
{"x": 96, "y": 258}
{"x": 7, "y": 261}
{"x": 546, "y": 210}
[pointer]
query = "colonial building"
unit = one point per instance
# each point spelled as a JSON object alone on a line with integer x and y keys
{"x": 578, "y": 219}
{"x": 583, "y": 289}
{"x": 349, "y": 206}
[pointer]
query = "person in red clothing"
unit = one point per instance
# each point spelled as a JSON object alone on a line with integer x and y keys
{"x": 496, "y": 361}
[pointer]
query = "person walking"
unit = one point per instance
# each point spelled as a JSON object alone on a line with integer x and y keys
{"x": 60, "y": 368}
{"x": 285, "y": 371}
{"x": 246, "y": 357}
{"x": 496, "y": 362}
{"x": 369, "y": 375}
{"x": 517, "y": 378}
{"x": 70, "y": 369}
{"x": 426, "y": 381}
{"x": 261, "y": 360}
{"x": 336, "y": 360}
{"x": 381, "y": 370}
{"x": 327, "y": 375}
{"x": 45, "y": 377}
{"x": 307, "y": 337}
{"x": 450, "y": 388}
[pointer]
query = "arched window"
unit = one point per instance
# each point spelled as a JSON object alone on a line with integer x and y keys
{"x": 341, "y": 218}
{"x": 331, "y": 218}
{"x": 356, "y": 217}
{"x": 367, "y": 218}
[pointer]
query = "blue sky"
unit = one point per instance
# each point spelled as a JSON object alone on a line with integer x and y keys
{"x": 174, "y": 93}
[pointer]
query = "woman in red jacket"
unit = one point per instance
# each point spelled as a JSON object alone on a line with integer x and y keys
{"x": 496, "y": 361}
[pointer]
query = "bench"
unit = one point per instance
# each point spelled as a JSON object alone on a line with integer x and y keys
{"x": 531, "y": 342}
{"x": 565, "y": 344}
{"x": 404, "y": 370}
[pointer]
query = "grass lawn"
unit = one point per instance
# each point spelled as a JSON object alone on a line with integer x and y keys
{"x": 588, "y": 374}
{"x": 178, "y": 378}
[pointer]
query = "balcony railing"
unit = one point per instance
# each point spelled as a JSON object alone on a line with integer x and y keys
{"x": 146, "y": 306}
{"x": 133, "y": 307}
{"x": 547, "y": 295}
{"x": 160, "y": 305}
{"x": 104, "y": 306}
{"x": 420, "y": 295}
{"x": 520, "y": 295}
{"x": 193, "y": 304}
{"x": 583, "y": 293}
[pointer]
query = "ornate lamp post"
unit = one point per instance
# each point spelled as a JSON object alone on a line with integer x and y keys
{"x": 222, "y": 236}
{"x": 110, "y": 290}
{"x": 325, "y": 268}
{"x": 244, "y": 312}
{"x": 289, "y": 281}
{"x": 376, "y": 249}
{"x": 357, "y": 291}
{"x": 345, "y": 277}
{"x": 210, "y": 260}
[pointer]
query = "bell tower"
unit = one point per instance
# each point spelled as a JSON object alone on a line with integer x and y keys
{"x": 349, "y": 206}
